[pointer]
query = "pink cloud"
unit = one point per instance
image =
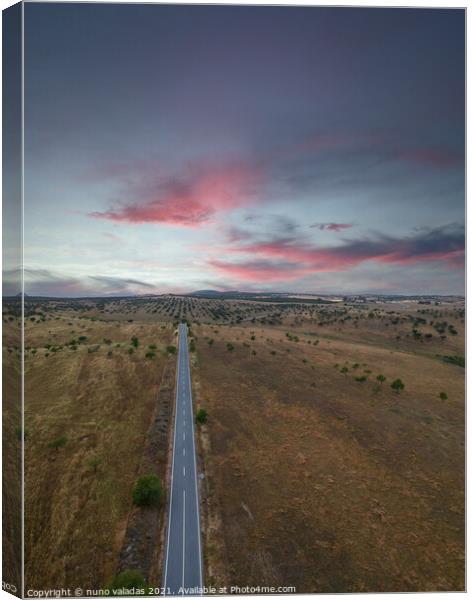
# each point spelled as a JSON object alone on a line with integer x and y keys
{"x": 260, "y": 270}
{"x": 288, "y": 259}
{"x": 190, "y": 199}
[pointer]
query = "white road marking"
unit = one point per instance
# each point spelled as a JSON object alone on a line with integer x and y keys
{"x": 184, "y": 436}
{"x": 183, "y": 548}
{"x": 184, "y": 451}
{"x": 184, "y": 471}
{"x": 172, "y": 474}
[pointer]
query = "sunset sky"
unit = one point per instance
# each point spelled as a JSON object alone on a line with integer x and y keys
{"x": 176, "y": 148}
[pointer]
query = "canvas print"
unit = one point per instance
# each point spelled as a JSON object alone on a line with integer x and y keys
{"x": 233, "y": 299}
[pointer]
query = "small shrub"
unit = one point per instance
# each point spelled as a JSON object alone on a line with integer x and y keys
{"x": 93, "y": 463}
{"x": 147, "y": 491}
{"x": 130, "y": 350}
{"x": 381, "y": 378}
{"x": 58, "y": 442}
{"x": 455, "y": 360}
{"x": 171, "y": 349}
{"x": 127, "y": 580}
{"x": 134, "y": 342}
{"x": 443, "y": 396}
{"x": 201, "y": 416}
{"x": 150, "y": 355}
{"x": 398, "y": 385}
{"x": 20, "y": 434}
{"x": 229, "y": 347}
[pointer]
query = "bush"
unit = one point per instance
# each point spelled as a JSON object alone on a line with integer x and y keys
{"x": 147, "y": 491}
{"x": 229, "y": 347}
{"x": 20, "y": 434}
{"x": 381, "y": 378}
{"x": 127, "y": 580}
{"x": 171, "y": 349}
{"x": 455, "y": 360}
{"x": 398, "y": 385}
{"x": 201, "y": 416}
{"x": 134, "y": 342}
{"x": 443, "y": 396}
{"x": 150, "y": 355}
{"x": 192, "y": 345}
{"x": 130, "y": 350}
{"x": 58, "y": 442}
{"x": 93, "y": 463}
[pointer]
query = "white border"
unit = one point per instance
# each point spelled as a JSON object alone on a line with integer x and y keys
{"x": 381, "y": 4}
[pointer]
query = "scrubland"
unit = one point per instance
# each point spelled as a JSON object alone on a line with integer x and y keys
{"x": 317, "y": 473}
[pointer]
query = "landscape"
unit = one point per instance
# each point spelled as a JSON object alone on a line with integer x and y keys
{"x": 234, "y": 309}
{"x": 307, "y": 438}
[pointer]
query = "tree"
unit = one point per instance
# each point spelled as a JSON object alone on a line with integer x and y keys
{"x": 201, "y": 416}
{"x": 171, "y": 349}
{"x": 58, "y": 442}
{"x": 147, "y": 491}
{"x": 381, "y": 378}
{"x": 398, "y": 385}
{"x": 127, "y": 580}
{"x": 443, "y": 396}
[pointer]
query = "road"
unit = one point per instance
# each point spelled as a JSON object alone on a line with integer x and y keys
{"x": 183, "y": 561}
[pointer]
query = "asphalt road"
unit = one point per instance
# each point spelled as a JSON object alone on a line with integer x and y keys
{"x": 183, "y": 561}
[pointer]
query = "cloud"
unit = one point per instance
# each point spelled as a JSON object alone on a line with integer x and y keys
{"x": 289, "y": 258}
{"x": 331, "y": 226}
{"x": 189, "y": 198}
{"x": 435, "y": 157}
{"x": 260, "y": 270}
{"x": 42, "y": 282}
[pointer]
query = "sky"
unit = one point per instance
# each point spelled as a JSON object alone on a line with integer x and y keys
{"x": 178, "y": 148}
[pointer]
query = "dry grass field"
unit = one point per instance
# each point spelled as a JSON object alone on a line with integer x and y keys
{"x": 318, "y": 474}
{"x": 89, "y": 397}
{"x": 321, "y": 477}
{"x": 11, "y": 447}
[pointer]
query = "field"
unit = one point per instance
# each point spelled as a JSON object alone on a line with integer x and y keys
{"x": 90, "y": 395}
{"x": 317, "y": 473}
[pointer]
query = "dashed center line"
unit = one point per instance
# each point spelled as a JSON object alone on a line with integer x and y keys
{"x": 184, "y": 471}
